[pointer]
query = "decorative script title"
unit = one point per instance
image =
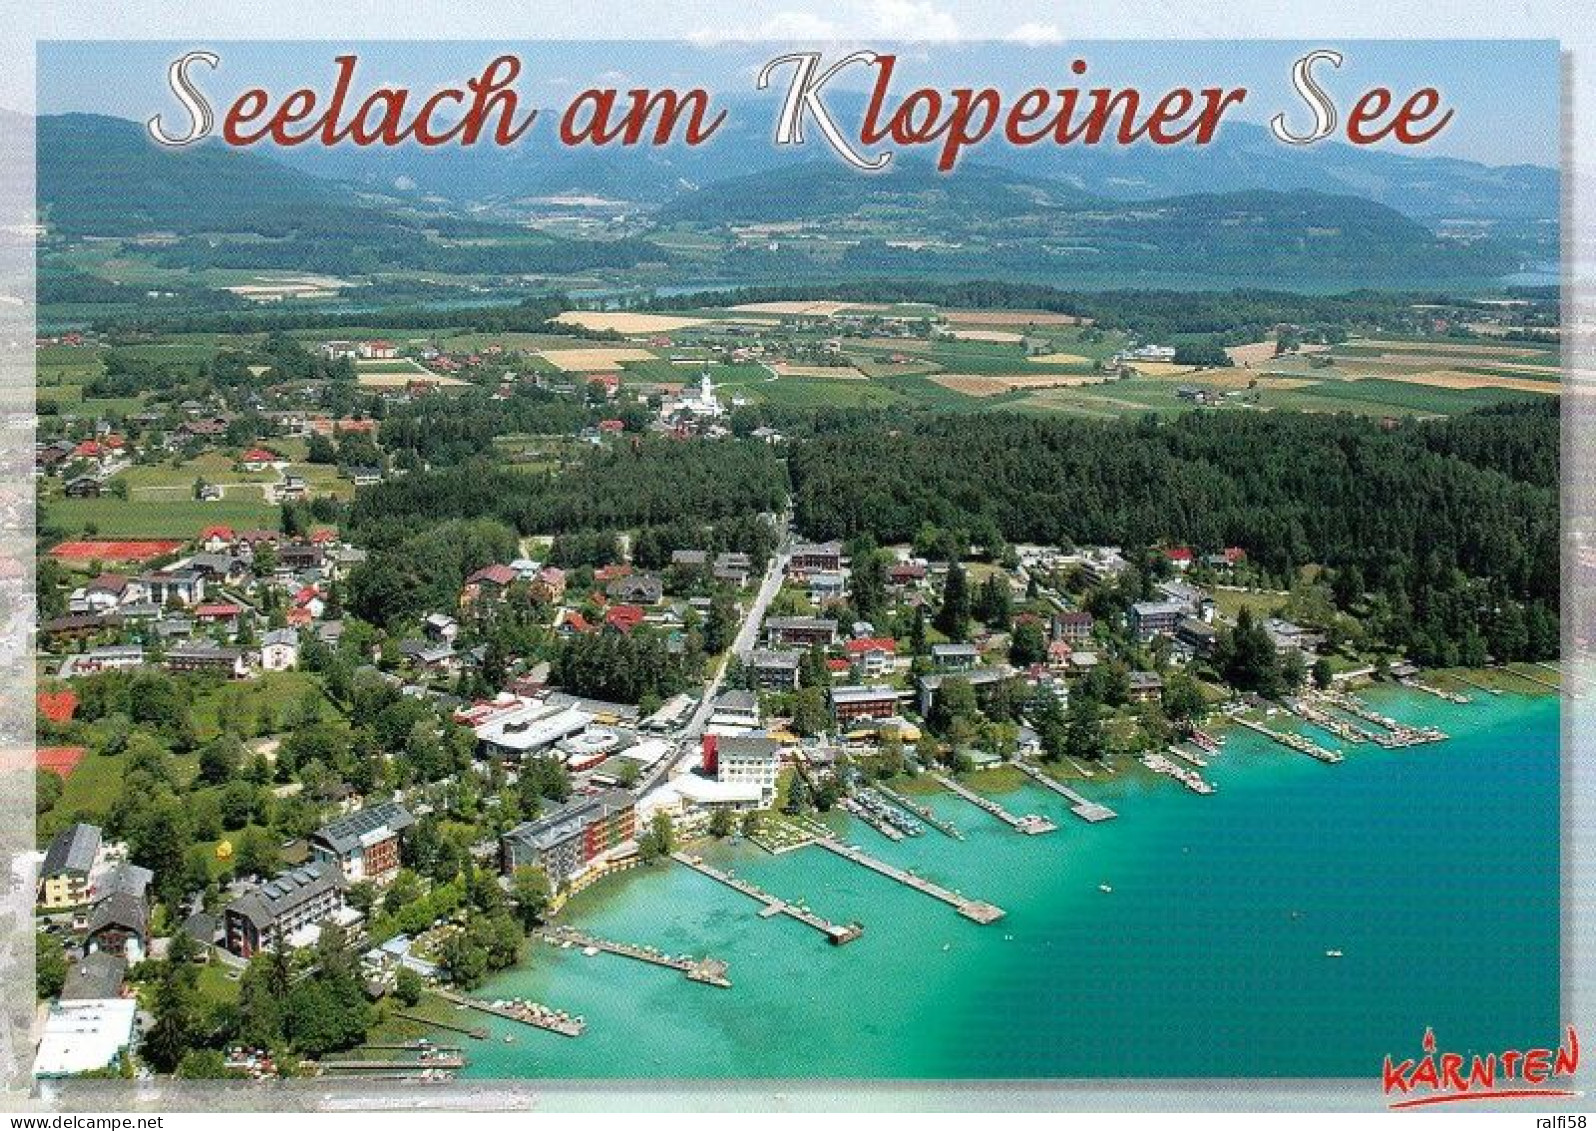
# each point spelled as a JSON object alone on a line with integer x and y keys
{"x": 487, "y": 108}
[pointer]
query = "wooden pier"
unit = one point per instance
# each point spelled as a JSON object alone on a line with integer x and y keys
{"x": 477, "y": 1033}
{"x": 709, "y": 971}
{"x": 526, "y": 1012}
{"x": 1030, "y": 824}
{"x": 1315, "y": 715}
{"x": 1292, "y": 741}
{"x": 972, "y": 909}
{"x": 1430, "y": 689}
{"x": 1191, "y": 779}
{"x": 1535, "y": 679}
{"x": 924, "y": 812}
{"x": 1082, "y": 807}
{"x": 1191, "y": 759}
{"x": 437, "y": 1059}
{"x": 850, "y": 806}
{"x": 836, "y": 935}
{"x": 1393, "y": 734}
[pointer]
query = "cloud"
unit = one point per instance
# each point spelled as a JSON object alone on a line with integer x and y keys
{"x": 881, "y": 19}
{"x": 1035, "y": 34}
{"x": 912, "y": 19}
{"x": 799, "y": 26}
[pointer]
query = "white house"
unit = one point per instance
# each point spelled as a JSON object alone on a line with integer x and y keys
{"x": 279, "y": 650}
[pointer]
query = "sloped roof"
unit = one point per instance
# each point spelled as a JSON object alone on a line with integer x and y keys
{"x": 72, "y": 850}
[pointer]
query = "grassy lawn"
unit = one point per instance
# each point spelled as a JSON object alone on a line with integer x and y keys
{"x": 218, "y": 983}
{"x": 1001, "y": 778}
{"x": 273, "y": 697}
{"x": 140, "y": 518}
{"x": 1263, "y": 602}
{"x": 90, "y": 791}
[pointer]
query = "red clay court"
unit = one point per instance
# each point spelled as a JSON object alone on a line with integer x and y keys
{"x": 58, "y": 706}
{"x": 138, "y": 551}
{"x": 60, "y": 760}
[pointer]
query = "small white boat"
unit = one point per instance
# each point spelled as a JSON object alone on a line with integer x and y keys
{"x": 590, "y": 951}
{"x": 1332, "y": 954}
{"x": 1104, "y": 888}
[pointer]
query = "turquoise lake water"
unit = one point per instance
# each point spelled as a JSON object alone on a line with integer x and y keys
{"x": 1434, "y": 869}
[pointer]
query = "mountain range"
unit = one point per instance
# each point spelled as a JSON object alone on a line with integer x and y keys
{"x": 1265, "y": 212}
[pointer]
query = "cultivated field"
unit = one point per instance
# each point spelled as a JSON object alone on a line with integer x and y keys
{"x": 623, "y": 322}
{"x": 824, "y": 372}
{"x": 986, "y": 335}
{"x": 593, "y": 359}
{"x": 817, "y": 309}
{"x": 1010, "y": 318}
{"x": 995, "y": 384}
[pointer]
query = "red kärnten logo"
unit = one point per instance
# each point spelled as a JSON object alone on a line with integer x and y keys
{"x": 1449, "y": 1077}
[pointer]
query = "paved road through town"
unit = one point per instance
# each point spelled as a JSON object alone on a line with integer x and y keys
{"x": 747, "y": 635}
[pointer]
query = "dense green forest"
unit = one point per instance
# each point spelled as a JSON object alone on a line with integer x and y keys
{"x": 640, "y": 483}
{"x": 1244, "y": 314}
{"x": 1444, "y": 537}
{"x": 428, "y": 530}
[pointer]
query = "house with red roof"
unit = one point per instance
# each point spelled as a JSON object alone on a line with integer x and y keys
{"x": 214, "y": 539}
{"x": 572, "y": 623}
{"x": 549, "y": 584}
{"x": 1179, "y": 556}
{"x": 490, "y": 583}
{"x": 905, "y": 574}
{"x": 218, "y": 612}
{"x": 873, "y": 655}
{"x": 258, "y": 459}
{"x": 612, "y": 427}
{"x": 1228, "y": 558}
{"x": 310, "y": 599}
{"x": 606, "y": 574}
{"x": 623, "y": 618}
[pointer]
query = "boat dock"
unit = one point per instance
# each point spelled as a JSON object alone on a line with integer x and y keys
{"x": 1292, "y": 741}
{"x": 1204, "y": 741}
{"x": 477, "y": 1033}
{"x": 877, "y": 805}
{"x": 1397, "y": 734}
{"x": 1082, "y": 807}
{"x": 1310, "y": 712}
{"x": 924, "y": 812}
{"x": 1430, "y": 689}
{"x": 870, "y": 817}
{"x": 1187, "y": 756}
{"x": 1191, "y": 779}
{"x": 972, "y": 909}
{"x": 433, "y": 1058}
{"x": 709, "y": 971}
{"x": 1030, "y": 824}
{"x": 1535, "y": 679}
{"x": 526, "y": 1012}
{"x": 836, "y": 935}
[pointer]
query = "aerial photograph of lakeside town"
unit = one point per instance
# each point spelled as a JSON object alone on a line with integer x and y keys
{"x": 712, "y": 613}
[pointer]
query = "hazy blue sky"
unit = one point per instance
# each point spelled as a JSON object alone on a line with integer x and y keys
{"x": 1506, "y": 93}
